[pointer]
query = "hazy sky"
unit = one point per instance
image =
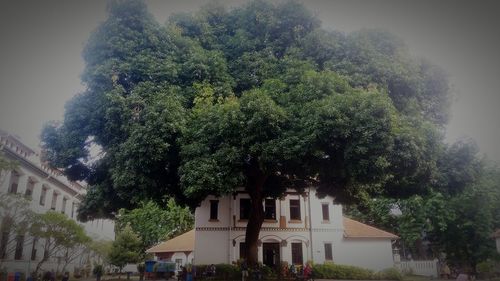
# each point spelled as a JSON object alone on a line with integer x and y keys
{"x": 41, "y": 44}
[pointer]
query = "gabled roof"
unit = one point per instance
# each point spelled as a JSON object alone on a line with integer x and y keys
{"x": 181, "y": 243}
{"x": 355, "y": 229}
{"x": 496, "y": 234}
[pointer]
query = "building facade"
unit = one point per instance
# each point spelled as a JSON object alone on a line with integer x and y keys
{"x": 47, "y": 189}
{"x": 296, "y": 229}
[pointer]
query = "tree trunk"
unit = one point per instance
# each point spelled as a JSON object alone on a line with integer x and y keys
{"x": 254, "y": 187}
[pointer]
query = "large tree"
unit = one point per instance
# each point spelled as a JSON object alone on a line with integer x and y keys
{"x": 258, "y": 97}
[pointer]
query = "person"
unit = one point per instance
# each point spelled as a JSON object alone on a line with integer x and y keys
{"x": 307, "y": 271}
{"x": 445, "y": 273}
{"x": 293, "y": 270}
{"x": 211, "y": 270}
{"x": 189, "y": 276}
{"x": 244, "y": 270}
{"x": 65, "y": 276}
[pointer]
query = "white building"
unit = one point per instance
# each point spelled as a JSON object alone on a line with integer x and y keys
{"x": 48, "y": 189}
{"x": 297, "y": 228}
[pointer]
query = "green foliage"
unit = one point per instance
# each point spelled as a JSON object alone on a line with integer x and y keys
{"x": 127, "y": 248}
{"x": 203, "y": 104}
{"x": 60, "y": 233}
{"x": 98, "y": 270}
{"x": 458, "y": 220}
{"x": 102, "y": 248}
{"x": 6, "y": 164}
{"x": 345, "y": 272}
{"x": 222, "y": 271}
{"x": 389, "y": 274}
{"x": 154, "y": 223}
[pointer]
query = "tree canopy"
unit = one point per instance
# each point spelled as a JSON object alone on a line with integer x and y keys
{"x": 259, "y": 97}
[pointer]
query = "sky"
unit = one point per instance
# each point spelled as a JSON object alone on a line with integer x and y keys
{"x": 41, "y": 63}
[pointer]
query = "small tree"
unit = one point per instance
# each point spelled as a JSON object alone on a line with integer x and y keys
{"x": 60, "y": 233}
{"x": 154, "y": 223}
{"x": 125, "y": 249}
{"x": 102, "y": 248}
{"x": 16, "y": 220}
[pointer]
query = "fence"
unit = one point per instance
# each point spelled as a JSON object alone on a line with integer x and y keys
{"x": 424, "y": 267}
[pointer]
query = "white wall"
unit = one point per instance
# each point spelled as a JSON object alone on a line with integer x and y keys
{"x": 375, "y": 254}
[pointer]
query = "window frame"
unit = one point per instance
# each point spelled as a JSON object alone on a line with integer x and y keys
{"x": 327, "y": 205}
{"x": 267, "y": 202}
{"x": 245, "y": 213}
{"x": 297, "y": 209}
{"x": 328, "y": 251}
{"x": 297, "y": 246}
{"x": 214, "y": 210}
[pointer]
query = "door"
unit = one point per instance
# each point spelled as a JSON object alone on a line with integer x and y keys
{"x": 271, "y": 254}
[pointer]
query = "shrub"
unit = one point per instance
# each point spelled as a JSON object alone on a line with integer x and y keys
{"x": 227, "y": 271}
{"x": 335, "y": 271}
{"x": 389, "y": 274}
{"x": 98, "y": 270}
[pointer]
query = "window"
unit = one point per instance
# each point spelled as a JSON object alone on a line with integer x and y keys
{"x": 243, "y": 250}
{"x": 245, "y": 207}
{"x": 33, "y": 249}
{"x": 214, "y": 209}
{"x": 19, "y": 247}
{"x": 54, "y": 201}
{"x": 294, "y": 209}
{"x": 328, "y": 252}
{"x": 63, "y": 210}
{"x": 270, "y": 209}
{"x": 29, "y": 189}
{"x": 72, "y": 210}
{"x": 42, "y": 196}
{"x": 326, "y": 212}
{"x": 297, "y": 253}
{"x": 14, "y": 180}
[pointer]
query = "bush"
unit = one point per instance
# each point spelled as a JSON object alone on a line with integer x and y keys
{"x": 98, "y": 270}
{"x": 488, "y": 268}
{"x": 389, "y": 274}
{"x": 222, "y": 271}
{"x": 335, "y": 271}
{"x": 227, "y": 271}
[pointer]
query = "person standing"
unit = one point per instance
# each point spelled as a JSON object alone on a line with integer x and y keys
{"x": 244, "y": 270}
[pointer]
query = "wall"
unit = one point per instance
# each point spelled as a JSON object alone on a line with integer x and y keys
{"x": 375, "y": 254}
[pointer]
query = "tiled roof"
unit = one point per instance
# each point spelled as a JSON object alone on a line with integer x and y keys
{"x": 355, "y": 229}
{"x": 496, "y": 234}
{"x": 181, "y": 243}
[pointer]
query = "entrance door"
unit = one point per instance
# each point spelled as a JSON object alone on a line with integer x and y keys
{"x": 271, "y": 254}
